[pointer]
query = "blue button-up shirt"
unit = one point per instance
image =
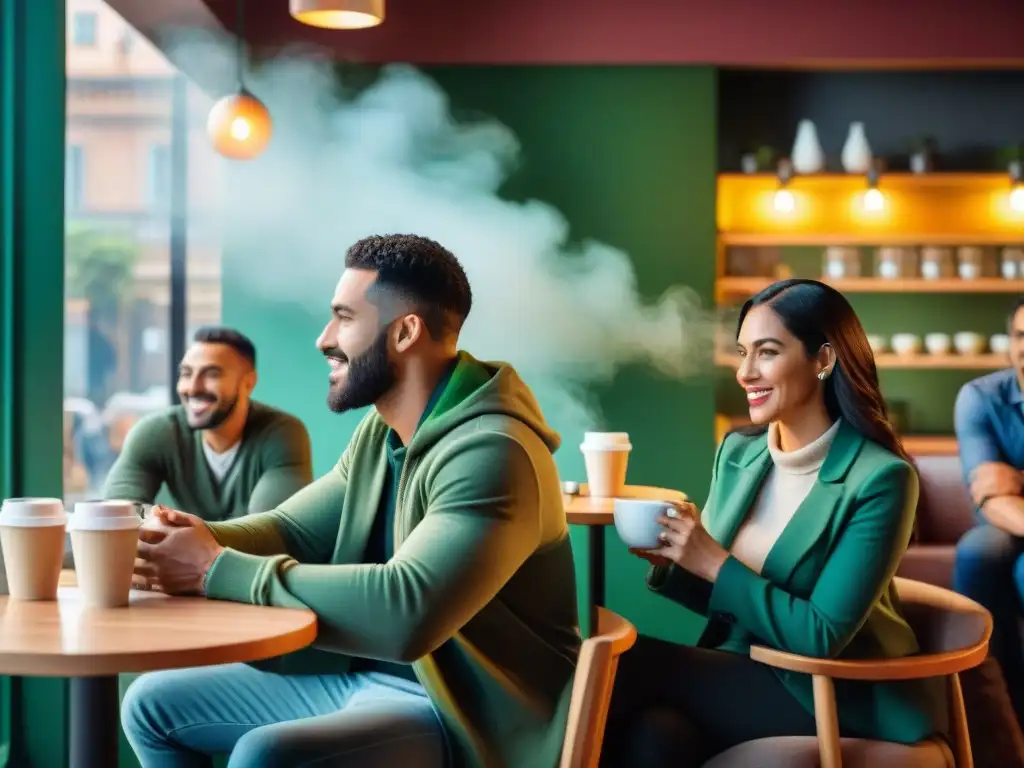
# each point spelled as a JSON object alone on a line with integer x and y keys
{"x": 989, "y": 421}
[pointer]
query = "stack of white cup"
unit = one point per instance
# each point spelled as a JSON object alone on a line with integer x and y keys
{"x": 606, "y": 455}
{"x": 104, "y": 539}
{"x": 32, "y": 537}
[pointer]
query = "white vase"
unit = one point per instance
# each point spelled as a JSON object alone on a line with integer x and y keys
{"x": 856, "y": 151}
{"x": 807, "y": 155}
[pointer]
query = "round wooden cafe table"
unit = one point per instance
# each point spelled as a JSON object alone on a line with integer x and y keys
{"x": 596, "y": 512}
{"x": 62, "y": 638}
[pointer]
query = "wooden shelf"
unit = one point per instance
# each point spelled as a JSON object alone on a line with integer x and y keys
{"x": 985, "y": 362}
{"x": 896, "y": 179}
{"x": 823, "y": 239}
{"x": 744, "y": 287}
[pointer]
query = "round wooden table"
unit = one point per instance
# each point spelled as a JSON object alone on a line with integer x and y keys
{"x": 596, "y": 513}
{"x": 63, "y": 638}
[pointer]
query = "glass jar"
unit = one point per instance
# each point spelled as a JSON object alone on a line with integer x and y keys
{"x": 937, "y": 263}
{"x": 1011, "y": 262}
{"x": 974, "y": 261}
{"x": 840, "y": 262}
{"x": 894, "y": 262}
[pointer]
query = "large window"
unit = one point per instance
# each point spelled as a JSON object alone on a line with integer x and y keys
{"x": 141, "y": 189}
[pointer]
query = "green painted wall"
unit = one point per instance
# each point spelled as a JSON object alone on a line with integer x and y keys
{"x": 628, "y": 155}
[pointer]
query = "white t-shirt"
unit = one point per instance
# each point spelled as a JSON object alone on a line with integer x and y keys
{"x": 220, "y": 463}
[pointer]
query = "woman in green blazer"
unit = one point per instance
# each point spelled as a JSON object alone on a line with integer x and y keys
{"x": 807, "y": 518}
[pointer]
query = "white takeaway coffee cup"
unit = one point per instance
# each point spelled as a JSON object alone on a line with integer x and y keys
{"x": 606, "y": 455}
{"x": 32, "y": 538}
{"x": 105, "y": 540}
{"x": 636, "y": 521}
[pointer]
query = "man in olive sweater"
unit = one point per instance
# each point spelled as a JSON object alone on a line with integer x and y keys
{"x": 220, "y": 454}
{"x": 438, "y": 540}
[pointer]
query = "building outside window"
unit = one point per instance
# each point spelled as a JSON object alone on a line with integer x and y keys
{"x": 83, "y": 28}
{"x": 121, "y": 114}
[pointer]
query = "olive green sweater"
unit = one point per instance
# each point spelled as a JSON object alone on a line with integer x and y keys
{"x": 480, "y": 594}
{"x": 162, "y": 450}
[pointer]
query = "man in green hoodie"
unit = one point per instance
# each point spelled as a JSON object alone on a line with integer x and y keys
{"x": 435, "y": 556}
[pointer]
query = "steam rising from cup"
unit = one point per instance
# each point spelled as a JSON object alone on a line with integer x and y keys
{"x": 390, "y": 158}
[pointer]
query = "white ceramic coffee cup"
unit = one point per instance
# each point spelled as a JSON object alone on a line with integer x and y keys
{"x": 32, "y": 537}
{"x": 606, "y": 455}
{"x": 105, "y": 538}
{"x": 636, "y": 521}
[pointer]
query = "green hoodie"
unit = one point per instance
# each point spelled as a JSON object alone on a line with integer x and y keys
{"x": 480, "y": 594}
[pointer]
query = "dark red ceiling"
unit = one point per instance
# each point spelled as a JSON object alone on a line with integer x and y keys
{"x": 765, "y": 33}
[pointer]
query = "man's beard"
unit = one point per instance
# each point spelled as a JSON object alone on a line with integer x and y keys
{"x": 214, "y": 418}
{"x": 370, "y": 377}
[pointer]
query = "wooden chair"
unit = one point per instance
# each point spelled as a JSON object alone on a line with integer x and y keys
{"x": 953, "y": 632}
{"x": 592, "y": 690}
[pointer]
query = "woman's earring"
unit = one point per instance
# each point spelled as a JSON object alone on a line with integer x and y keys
{"x": 822, "y": 375}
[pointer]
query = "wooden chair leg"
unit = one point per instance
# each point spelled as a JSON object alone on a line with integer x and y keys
{"x": 826, "y": 720}
{"x": 958, "y": 723}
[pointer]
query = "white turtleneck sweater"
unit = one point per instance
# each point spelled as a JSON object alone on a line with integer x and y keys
{"x": 784, "y": 489}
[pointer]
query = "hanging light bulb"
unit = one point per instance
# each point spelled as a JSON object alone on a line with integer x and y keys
{"x": 1017, "y": 198}
{"x": 1017, "y": 186}
{"x": 874, "y": 199}
{"x": 784, "y": 202}
{"x": 338, "y": 14}
{"x": 239, "y": 125}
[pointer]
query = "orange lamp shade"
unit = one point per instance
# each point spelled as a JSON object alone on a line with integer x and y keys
{"x": 338, "y": 14}
{"x": 239, "y": 126}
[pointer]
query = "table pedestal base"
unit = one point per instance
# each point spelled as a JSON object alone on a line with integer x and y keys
{"x": 95, "y": 722}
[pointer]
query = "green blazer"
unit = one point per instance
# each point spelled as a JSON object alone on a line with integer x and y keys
{"x": 826, "y": 588}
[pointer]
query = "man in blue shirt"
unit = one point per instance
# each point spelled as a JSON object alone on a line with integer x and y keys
{"x": 989, "y": 418}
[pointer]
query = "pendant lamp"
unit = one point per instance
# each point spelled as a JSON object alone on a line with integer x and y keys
{"x": 338, "y": 14}
{"x": 239, "y": 124}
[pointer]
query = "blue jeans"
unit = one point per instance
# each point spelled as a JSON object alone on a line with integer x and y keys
{"x": 179, "y": 718}
{"x": 990, "y": 570}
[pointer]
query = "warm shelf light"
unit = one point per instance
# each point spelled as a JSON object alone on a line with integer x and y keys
{"x": 873, "y": 199}
{"x": 1017, "y": 185}
{"x": 239, "y": 126}
{"x": 338, "y": 14}
{"x": 784, "y": 202}
{"x": 1017, "y": 198}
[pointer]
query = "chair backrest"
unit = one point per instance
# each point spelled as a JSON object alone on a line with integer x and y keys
{"x": 592, "y": 690}
{"x": 946, "y": 623}
{"x": 944, "y": 510}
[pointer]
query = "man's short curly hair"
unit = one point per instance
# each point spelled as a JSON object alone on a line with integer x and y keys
{"x": 422, "y": 272}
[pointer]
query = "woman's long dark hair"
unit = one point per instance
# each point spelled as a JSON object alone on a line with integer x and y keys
{"x": 818, "y": 314}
